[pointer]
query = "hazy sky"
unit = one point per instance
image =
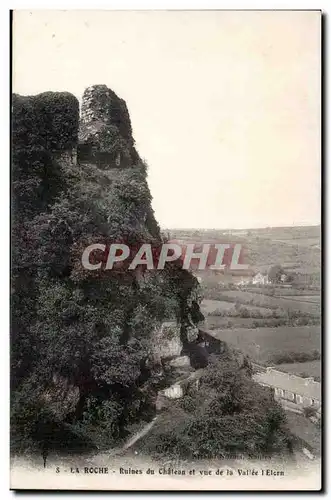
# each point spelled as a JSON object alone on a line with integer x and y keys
{"x": 225, "y": 106}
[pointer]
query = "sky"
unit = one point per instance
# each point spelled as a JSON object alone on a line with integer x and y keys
{"x": 224, "y": 105}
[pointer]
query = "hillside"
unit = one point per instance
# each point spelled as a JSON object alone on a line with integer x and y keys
{"x": 82, "y": 359}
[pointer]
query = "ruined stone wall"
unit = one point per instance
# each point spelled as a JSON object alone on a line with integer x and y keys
{"x": 166, "y": 340}
{"x": 105, "y": 140}
{"x": 105, "y": 134}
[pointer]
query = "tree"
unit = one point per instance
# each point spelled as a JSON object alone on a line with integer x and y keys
{"x": 227, "y": 414}
{"x": 275, "y": 273}
{"x": 91, "y": 329}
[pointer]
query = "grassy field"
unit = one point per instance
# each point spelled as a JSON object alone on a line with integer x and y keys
{"x": 309, "y": 368}
{"x": 261, "y": 343}
{"x": 260, "y": 300}
{"x": 313, "y": 299}
{"x": 214, "y": 322}
{"x": 208, "y": 306}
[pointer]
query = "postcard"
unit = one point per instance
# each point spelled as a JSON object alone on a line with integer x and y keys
{"x": 166, "y": 250}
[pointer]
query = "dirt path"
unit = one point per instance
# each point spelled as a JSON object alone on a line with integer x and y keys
{"x": 139, "y": 434}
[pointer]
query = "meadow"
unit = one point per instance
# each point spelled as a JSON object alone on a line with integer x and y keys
{"x": 211, "y": 306}
{"x": 261, "y": 344}
{"x": 278, "y": 291}
{"x": 266, "y": 301}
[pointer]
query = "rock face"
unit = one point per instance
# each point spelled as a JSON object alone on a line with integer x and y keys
{"x": 166, "y": 340}
{"x": 78, "y": 180}
{"x": 105, "y": 140}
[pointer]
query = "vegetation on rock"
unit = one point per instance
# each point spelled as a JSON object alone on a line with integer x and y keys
{"x": 82, "y": 367}
{"x": 91, "y": 328}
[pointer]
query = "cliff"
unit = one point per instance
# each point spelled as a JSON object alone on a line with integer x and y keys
{"x": 78, "y": 180}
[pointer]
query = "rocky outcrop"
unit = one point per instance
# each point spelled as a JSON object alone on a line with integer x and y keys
{"x": 77, "y": 181}
{"x": 105, "y": 140}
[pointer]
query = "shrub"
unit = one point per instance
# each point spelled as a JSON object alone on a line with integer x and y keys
{"x": 229, "y": 413}
{"x": 95, "y": 330}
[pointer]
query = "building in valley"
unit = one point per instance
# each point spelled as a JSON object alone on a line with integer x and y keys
{"x": 293, "y": 392}
{"x": 261, "y": 279}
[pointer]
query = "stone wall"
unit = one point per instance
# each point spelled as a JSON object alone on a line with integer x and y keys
{"x": 67, "y": 157}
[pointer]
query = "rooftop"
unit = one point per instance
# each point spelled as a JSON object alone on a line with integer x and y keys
{"x": 303, "y": 386}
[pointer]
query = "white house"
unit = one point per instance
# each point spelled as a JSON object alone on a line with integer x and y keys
{"x": 292, "y": 391}
{"x": 260, "y": 279}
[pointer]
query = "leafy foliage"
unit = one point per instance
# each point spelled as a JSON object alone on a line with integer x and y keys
{"x": 92, "y": 329}
{"x": 227, "y": 414}
{"x": 275, "y": 273}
